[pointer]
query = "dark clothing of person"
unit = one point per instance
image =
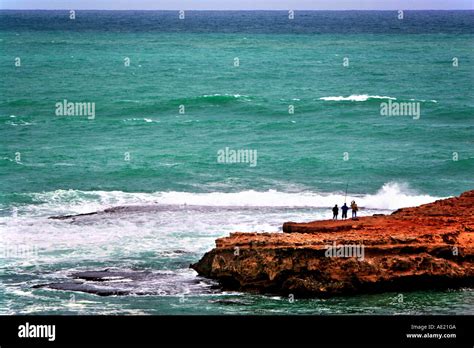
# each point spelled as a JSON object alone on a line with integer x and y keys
{"x": 335, "y": 212}
{"x": 344, "y": 209}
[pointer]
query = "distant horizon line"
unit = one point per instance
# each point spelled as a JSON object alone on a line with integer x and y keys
{"x": 233, "y": 10}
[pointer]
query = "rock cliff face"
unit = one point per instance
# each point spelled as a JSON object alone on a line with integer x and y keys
{"x": 430, "y": 246}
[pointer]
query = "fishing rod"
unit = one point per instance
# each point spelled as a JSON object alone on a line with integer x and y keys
{"x": 345, "y": 196}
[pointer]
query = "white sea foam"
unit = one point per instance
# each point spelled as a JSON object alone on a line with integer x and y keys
{"x": 225, "y": 95}
{"x": 356, "y": 97}
{"x": 19, "y": 123}
{"x": 425, "y": 101}
{"x": 365, "y": 97}
{"x": 170, "y": 237}
{"x": 391, "y": 196}
{"x": 148, "y": 120}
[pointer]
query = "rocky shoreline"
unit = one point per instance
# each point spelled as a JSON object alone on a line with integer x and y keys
{"x": 425, "y": 247}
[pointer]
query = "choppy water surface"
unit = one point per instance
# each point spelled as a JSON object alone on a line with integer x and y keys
{"x": 183, "y": 197}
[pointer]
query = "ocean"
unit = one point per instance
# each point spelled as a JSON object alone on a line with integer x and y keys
{"x": 303, "y": 95}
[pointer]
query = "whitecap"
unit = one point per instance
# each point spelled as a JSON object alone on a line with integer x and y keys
{"x": 392, "y": 195}
{"x": 356, "y": 98}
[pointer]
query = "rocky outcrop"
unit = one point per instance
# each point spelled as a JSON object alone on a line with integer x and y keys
{"x": 430, "y": 246}
{"x": 123, "y": 282}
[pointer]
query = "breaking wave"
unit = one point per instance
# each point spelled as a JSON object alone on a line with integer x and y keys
{"x": 366, "y": 97}
{"x": 390, "y": 196}
{"x": 356, "y": 98}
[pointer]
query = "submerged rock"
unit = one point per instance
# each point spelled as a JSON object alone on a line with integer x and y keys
{"x": 430, "y": 246}
{"x": 129, "y": 282}
{"x": 103, "y": 276}
{"x": 87, "y": 288}
{"x": 108, "y": 282}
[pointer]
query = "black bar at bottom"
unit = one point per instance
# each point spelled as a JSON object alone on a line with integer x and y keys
{"x": 241, "y": 330}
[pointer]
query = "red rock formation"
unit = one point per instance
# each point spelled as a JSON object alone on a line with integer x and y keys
{"x": 430, "y": 246}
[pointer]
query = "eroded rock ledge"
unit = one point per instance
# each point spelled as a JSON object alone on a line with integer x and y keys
{"x": 430, "y": 246}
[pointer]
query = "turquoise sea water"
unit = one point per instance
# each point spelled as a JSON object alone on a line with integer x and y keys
{"x": 140, "y": 150}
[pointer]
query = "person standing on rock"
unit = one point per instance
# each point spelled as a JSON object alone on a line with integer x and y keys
{"x": 354, "y": 209}
{"x": 335, "y": 212}
{"x": 344, "y": 209}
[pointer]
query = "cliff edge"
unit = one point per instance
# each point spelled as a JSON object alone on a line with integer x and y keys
{"x": 430, "y": 246}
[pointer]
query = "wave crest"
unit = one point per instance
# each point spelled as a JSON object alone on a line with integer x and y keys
{"x": 390, "y": 196}
{"x": 356, "y": 98}
{"x": 366, "y": 97}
